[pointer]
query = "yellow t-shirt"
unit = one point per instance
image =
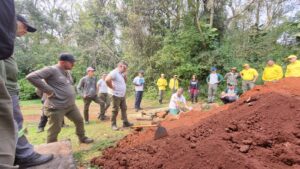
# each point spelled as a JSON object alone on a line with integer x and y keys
{"x": 162, "y": 84}
{"x": 272, "y": 73}
{"x": 293, "y": 69}
{"x": 173, "y": 84}
{"x": 248, "y": 74}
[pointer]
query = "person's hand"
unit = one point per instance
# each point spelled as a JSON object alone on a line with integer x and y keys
{"x": 113, "y": 87}
{"x": 49, "y": 95}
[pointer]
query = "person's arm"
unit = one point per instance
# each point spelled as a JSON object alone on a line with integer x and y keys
{"x": 7, "y": 28}
{"x": 255, "y": 76}
{"x": 226, "y": 76}
{"x": 80, "y": 86}
{"x": 207, "y": 79}
{"x": 165, "y": 83}
{"x": 136, "y": 81}
{"x": 220, "y": 78}
{"x": 125, "y": 76}
{"x": 185, "y": 104}
{"x": 37, "y": 79}
{"x": 98, "y": 86}
{"x": 241, "y": 74}
{"x": 108, "y": 81}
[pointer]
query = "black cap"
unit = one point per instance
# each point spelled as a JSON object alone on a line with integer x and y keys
{"x": 67, "y": 57}
{"x": 24, "y": 21}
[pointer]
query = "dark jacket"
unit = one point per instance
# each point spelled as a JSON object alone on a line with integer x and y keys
{"x": 7, "y": 28}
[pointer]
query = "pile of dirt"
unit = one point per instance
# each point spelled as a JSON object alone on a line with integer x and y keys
{"x": 260, "y": 131}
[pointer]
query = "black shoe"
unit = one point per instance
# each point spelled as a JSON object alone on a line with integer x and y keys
{"x": 40, "y": 130}
{"x": 35, "y": 160}
{"x": 103, "y": 118}
{"x": 127, "y": 124}
{"x": 86, "y": 140}
{"x": 114, "y": 127}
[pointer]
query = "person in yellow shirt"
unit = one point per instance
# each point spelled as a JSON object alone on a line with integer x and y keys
{"x": 272, "y": 72}
{"x": 161, "y": 84}
{"x": 293, "y": 69}
{"x": 249, "y": 76}
{"x": 173, "y": 84}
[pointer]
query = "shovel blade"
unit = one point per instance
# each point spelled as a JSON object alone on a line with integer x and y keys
{"x": 160, "y": 132}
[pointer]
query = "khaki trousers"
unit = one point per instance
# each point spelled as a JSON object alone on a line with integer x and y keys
{"x": 247, "y": 85}
{"x": 87, "y": 102}
{"x": 56, "y": 117}
{"x": 104, "y": 103}
{"x": 118, "y": 103}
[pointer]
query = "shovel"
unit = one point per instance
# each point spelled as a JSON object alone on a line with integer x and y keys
{"x": 159, "y": 133}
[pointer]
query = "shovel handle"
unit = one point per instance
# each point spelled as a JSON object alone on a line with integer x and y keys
{"x": 150, "y": 125}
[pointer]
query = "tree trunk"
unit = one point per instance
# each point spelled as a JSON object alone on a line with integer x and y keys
{"x": 212, "y": 12}
{"x": 257, "y": 15}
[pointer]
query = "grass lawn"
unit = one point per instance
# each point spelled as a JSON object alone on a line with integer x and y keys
{"x": 99, "y": 131}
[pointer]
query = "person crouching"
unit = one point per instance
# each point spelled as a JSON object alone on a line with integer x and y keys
{"x": 178, "y": 103}
{"x": 230, "y": 94}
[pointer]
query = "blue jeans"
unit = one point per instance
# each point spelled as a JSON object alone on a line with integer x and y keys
{"x": 138, "y": 99}
{"x": 24, "y": 149}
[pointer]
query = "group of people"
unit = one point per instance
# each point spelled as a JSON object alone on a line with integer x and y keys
{"x": 55, "y": 84}
{"x": 272, "y": 73}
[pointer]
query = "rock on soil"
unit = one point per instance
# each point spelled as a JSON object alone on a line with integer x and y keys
{"x": 236, "y": 136}
{"x": 63, "y": 157}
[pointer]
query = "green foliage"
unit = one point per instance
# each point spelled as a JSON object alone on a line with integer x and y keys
{"x": 27, "y": 91}
{"x": 170, "y": 37}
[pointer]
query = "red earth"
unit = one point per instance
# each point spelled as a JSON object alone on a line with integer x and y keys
{"x": 259, "y": 131}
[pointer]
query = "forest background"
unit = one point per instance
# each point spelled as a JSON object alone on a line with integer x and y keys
{"x": 182, "y": 37}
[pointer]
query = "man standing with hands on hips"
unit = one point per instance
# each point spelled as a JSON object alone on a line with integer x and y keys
{"x": 57, "y": 83}
{"x": 116, "y": 81}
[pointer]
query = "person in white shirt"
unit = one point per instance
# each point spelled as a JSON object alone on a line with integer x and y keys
{"x": 213, "y": 79}
{"x": 139, "y": 82}
{"x": 116, "y": 81}
{"x": 178, "y": 103}
{"x": 102, "y": 92}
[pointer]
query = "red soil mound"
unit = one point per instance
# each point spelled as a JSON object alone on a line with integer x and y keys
{"x": 263, "y": 133}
